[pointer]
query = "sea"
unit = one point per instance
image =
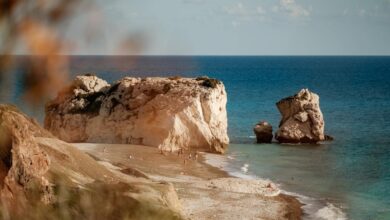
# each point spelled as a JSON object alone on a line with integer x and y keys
{"x": 348, "y": 178}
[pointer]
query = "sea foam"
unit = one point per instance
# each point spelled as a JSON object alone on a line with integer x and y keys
{"x": 330, "y": 212}
{"x": 314, "y": 209}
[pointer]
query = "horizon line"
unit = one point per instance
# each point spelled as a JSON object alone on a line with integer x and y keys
{"x": 209, "y": 55}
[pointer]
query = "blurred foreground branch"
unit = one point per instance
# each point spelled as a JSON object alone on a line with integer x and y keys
{"x": 31, "y": 27}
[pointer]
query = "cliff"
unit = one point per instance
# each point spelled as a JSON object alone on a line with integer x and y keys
{"x": 168, "y": 113}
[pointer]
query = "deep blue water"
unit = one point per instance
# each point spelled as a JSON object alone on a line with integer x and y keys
{"x": 352, "y": 172}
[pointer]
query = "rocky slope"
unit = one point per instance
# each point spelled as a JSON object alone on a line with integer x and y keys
{"x": 42, "y": 177}
{"x": 169, "y": 113}
{"x": 302, "y": 120}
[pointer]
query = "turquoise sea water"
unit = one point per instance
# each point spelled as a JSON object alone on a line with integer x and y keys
{"x": 352, "y": 172}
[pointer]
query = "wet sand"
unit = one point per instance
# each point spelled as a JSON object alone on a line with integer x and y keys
{"x": 205, "y": 192}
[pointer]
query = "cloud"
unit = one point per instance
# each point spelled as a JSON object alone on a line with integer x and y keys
{"x": 241, "y": 13}
{"x": 238, "y": 10}
{"x": 292, "y": 8}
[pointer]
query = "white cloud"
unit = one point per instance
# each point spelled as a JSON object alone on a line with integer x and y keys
{"x": 237, "y": 9}
{"x": 292, "y": 8}
{"x": 241, "y": 13}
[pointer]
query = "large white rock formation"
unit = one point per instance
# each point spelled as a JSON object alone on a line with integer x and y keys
{"x": 169, "y": 113}
{"x": 302, "y": 120}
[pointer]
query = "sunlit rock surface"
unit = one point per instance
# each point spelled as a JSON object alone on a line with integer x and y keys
{"x": 169, "y": 113}
{"x": 302, "y": 120}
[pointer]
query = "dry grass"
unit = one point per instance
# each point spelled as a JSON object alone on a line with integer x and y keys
{"x": 96, "y": 201}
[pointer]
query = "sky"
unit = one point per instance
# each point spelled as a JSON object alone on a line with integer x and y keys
{"x": 231, "y": 27}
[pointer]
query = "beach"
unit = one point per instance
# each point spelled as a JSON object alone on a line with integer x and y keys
{"x": 204, "y": 191}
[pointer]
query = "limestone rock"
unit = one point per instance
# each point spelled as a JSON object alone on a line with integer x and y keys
{"x": 263, "y": 132}
{"x": 22, "y": 162}
{"x": 169, "y": 113}
{"x": 302, "y": 120}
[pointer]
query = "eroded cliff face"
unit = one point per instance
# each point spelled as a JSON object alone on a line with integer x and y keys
{"x": 302, "y": 120}
{"x": 168, "y": 113}
{"x": 42, "y": 177}
{"x": 23, "y": 163}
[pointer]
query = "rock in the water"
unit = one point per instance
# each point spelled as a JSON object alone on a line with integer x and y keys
{"x": 302, "y": 120}
{"x": 263, "y": 132}
{"x": 328, "y": 138}
{"x": 169, "y": 113}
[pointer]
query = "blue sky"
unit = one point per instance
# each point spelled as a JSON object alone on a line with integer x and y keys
{"x": 230, "y": 27}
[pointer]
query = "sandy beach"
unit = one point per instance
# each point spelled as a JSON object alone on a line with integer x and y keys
{"x": 205, "y": 192}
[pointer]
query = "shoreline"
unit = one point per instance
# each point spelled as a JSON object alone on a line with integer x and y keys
{"x": 312, "y": 208}
{"x": 205, "y": 191}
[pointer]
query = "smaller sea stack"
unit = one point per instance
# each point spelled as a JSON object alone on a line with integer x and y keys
{"x": 263, "y": 132}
